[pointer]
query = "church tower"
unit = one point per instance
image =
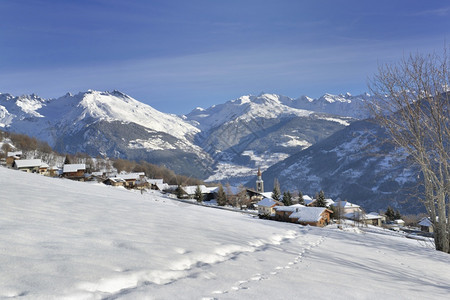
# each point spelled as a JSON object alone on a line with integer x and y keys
{"x": 259, "y": 183}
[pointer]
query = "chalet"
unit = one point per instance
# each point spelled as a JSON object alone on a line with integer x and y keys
{"x": 74, "y": 171}
{"x": 28, "y": 165}
{"x": 115, "y": 181}
{"x": 267, "y": 206}
{"x": 44, "y": 169}
{"x": 373, "y": 218}
{"x": 282, "y": 213}
{"x": 426, "y": 225}
{"x": 314, "y": 216}
{"x": 134, "y": 180}
{"x": 158, "y": 184}
{"x": 11, "y": 157}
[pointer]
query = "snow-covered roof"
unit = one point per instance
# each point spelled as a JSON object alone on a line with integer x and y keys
{"x": 373, "y": 216}
{"x": 14, "y": 154}
{"x": 426, "y": 222}
{"x": 116, "y": 179}
{"x": 329, "y": 202}
{"x": 308, "y": 200}
{"x": 162, "y": 186}
{"x": 131, "y": 176}
{"x": 346, "y": 204}
{"x": 68, "y": 168}
{"x": 190, "y": 190}
{"x": 155, "y": 181}
{"x": 288, "y": 208}
{"x": 308, "y": 214}
{"x": 28, "y": 163}
{"x": 43, "y": 165}
{"x": 267, "y": 195}
{"x": 268, "y": 202}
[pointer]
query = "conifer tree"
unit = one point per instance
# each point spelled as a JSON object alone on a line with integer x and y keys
{"x": 221, "y": 196}
{"x": 276, "y": 193}
{"x": 198, "y": 194}
{"x": 287, "y": 198}
{"x": 320, "y": 199}
{"x": 300, "y": 198}
{"x": 179, "y": 192}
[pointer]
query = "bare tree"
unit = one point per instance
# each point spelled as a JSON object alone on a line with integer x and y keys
{"x": 412, "y": 105}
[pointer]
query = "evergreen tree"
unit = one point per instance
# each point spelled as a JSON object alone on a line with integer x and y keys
{"x": 67, "y": 160}
{"x": 320, "y": 200}
{"x": 390, "y": 214}
{"x": 300, "y": 198}
{"x": 221, "y": 196}
{"x": 276, "y": 193}
{"x": 397, "y": 215}
{"x": 179, "y": 192}
{"x": 198, "y": 194}
{"x": 287, "y": 198}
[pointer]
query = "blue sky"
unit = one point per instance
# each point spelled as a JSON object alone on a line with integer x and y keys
{"x": 177, "y": 55}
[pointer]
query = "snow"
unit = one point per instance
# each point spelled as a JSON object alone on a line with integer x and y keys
{"x": 67, "y": 168}
{"x": 28, "y": 163}
{"x": 71, "y": 240}
{"x": 267, "y": 202}
{"x": 308, "y": 214}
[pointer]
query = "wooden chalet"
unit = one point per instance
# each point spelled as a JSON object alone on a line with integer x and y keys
{"x": 313, "y": 216}
{"x": 29, "y": 165}
{"x": 74, "y": 171}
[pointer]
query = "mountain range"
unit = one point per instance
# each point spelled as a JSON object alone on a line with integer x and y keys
{"x": 226, "y": 142}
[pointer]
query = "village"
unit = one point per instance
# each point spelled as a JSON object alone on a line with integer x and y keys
{"x": 301, "y": 209}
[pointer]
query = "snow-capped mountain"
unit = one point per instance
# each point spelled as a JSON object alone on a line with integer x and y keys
{"x": 356, "y": 164}
{"x": 224, "y": 142}
{"x": 105, "y": 123}
{"x": 258, "y": 131}
{"x": 341, "y": 105}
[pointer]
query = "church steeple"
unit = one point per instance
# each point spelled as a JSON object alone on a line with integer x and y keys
{"x": 259, "y": 182}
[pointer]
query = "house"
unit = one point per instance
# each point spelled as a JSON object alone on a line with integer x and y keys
{"x": 308, "y": 200}
{"x": 11, "y": 157}
{"x": 158, "y": 184}
{"x": 373, "y": 218}
{"x": 267, "y": 206}
{"x": 426, "y": 225}
{"x": 28, "y": 165}
{"x": 282, "y": 213}
{"x": 74, "y": 171}
{"x": 314, "y": 216}
{"x": 44, "y": 169}
{"x": 115, "y": 181}
{"x": 134, "y": 180}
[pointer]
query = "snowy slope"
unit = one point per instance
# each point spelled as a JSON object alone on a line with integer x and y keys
{"x": 71, "y": 240}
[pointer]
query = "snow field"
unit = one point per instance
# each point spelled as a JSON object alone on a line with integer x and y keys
{"x": 61, "y": 239}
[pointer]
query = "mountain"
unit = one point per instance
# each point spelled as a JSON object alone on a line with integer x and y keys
{"x": 357, "y": 164}
{"x": 258, "y": 131}
{"x": 341, "y": 105}
{"x": 106, "y": 123}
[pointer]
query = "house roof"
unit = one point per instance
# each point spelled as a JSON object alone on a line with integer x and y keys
{"x": 426, "y": 222}
{"x": 14, "y": 154}
{"x": 28, "y": 163}
{"x": 155, "y": 181}
{"x": 288, "y": 208}
{"x": 372, "y": 216}
{"x": 268, "y": 202}
{"x": 116, "y": 179}
{"x": 73, "y": 167}
{"x": 131, "y": 176}
{"x": 190, "y": 190}
{"x": 308, "y": 214}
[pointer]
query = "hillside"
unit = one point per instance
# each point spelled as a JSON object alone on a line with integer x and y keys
{"x": 356, "y": 164}
{"x": 71, "y": 240}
